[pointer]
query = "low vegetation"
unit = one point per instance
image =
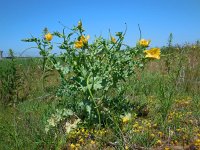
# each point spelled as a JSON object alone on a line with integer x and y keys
{"x": 101, "y": 95}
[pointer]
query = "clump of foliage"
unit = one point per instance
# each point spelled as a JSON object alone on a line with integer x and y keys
{"x": 10, "y": 81}
{"x": 89, "y": 72}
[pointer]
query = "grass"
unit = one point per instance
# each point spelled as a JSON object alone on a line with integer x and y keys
{"x": 165, "y": 97}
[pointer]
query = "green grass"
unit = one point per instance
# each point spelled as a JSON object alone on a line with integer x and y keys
{"x": 165, "y": 97}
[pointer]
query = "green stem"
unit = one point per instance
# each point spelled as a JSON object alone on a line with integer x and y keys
{"x": 90, "y": 92}
{"x": 119, "y": 130}
{"x": 15, "y": 130}
{"x": 43, "y": 73}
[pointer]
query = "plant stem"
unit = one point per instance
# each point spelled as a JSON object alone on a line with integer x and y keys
{"x": 90, "y": 92}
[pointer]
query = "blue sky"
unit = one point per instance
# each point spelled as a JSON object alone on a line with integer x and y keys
{"x": 157, "y": 18}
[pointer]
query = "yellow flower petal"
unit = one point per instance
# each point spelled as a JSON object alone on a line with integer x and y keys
{"x": 72, "y": 146}
{"x": 78, "y": 44}
{"x": 153, "y": 53}
{"x": 83, "y": 40}
{"x": 48, "y": 36}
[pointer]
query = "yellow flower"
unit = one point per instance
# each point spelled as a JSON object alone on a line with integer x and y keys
{"x": 126, "y": 147}
{"x": 152, "y": 135}
{"x": 48, "y": 36}
{"x": 135, "y": 125}
{"x": 126, "y": 118}
{"x": 178, "y": 130}
{"x": 80, "y": 43}
{"x": 144, "y": 42}
{"x": 197, "y": 142}
{"x": 84, "y": 39}
{"x": 113, "y": 40}
{"x": 158, "y": 142}
{"x": 83, "y": 130}
{"x": 136, "y": 131}
{"x": 160, "y": 134}
{"x": 81, "y": 141}
{"x": 153, "y": 53}
{"x": 72, "y": 146}
{"x": 92, "y": 142}
{"x": 175, "y": 142}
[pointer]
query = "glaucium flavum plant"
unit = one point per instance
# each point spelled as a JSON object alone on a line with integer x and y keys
{"x": 90, "y": 70}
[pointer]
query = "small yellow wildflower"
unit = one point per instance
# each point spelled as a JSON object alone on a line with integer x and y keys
{"x": 197, "y": 142}
{"x": 72, "y": 146}
{"x": 155, "y": 125}
{"x": 135, "y": 125}
{"x": 153, "y": 53}
{"x": 83, "y": 130}
{"x": 198, "y": 134}
{"x": 148, "y": 125}
{"x": 178, "y": 130}
{"x": 167, "y": 148}
{"x": 81, "y": 141}
{"x": 160, "y": 134}
{"x": 175, "y": 142}
{"x": 113, "y": 40}
{"x": 126, "y": 118}
{"x": 158, "y": 142}
{"x": 152, "y": 135}
{"x": 140, "y": 127}
{"x": 48, "y": 36}
{"x": 126, "y": 147}
{"x": 92, "y": 142}
{"x": 144, "y": 43}
{"x": 136, "y": 130}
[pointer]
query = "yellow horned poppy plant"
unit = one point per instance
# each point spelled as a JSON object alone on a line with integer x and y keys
{"x": 144, "y": 42}
{"x": 153, "y": 53}
{"x": 48, "y": 36}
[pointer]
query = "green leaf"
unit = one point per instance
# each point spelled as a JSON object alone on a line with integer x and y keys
{"x": 88, "y": 109}
{"x": 97, "y": 83}
{"x": 67, "y": 112}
